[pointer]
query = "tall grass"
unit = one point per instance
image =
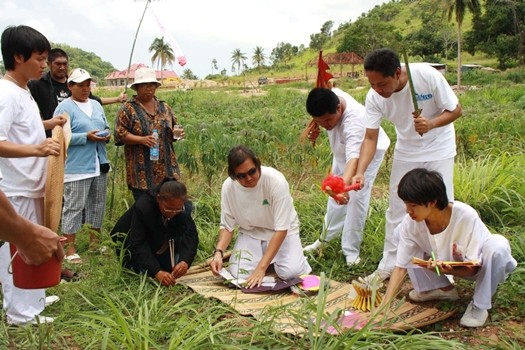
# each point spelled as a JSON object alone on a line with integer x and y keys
{"x": 112, "y": 309}
{"x": 493, "y": 185}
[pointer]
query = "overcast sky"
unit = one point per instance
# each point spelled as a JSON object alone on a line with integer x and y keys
{"x": 204, "y": 29}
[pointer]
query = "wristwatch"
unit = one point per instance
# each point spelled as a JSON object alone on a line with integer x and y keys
{"x": 220, "y": 251}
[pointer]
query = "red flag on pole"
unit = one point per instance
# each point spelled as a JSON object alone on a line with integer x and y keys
{"x": 322, "y": 75}
{"x": 322, "y": 81}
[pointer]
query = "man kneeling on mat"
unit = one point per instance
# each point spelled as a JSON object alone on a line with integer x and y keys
{"x": 158, "y": 233}
{"x": 445, "y": 233}
{"x": 256, "y": 201}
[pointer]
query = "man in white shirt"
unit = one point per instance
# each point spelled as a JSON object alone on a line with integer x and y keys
{"x": 344, "y": 120}
{"x": 256, "y": 202}
{"x": 427, "y": 141}
{"x": 23, "y": 156}
{"x": 445, "y": 233}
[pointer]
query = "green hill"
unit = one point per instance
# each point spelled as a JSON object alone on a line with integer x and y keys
{"x": 96, "y": 67}
{"x": 422, "y": 28}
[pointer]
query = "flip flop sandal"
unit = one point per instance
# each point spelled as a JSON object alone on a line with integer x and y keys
{"x": 74, "y": 259}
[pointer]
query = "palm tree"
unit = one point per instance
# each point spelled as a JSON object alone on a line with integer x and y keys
{"x": 258, "y": 57}
{"x": 238, "y": 59}
{"x": 162, "y": 54}
{"x": 459, "y": 7}
{"x": 214, "y": 65}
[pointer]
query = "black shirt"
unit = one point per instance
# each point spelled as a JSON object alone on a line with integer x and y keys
{"x": 145, "y": 233}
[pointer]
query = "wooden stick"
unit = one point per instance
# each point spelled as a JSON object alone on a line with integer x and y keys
{"x": 205, "y": 265}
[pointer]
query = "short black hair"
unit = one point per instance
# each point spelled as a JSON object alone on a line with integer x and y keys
{"x": 237, "y": 156}
{"x": 384, "y": 61}
{"x": 422, "y": 186}
{"x": 22, "y": 40}
{"x": 56, "y": 53}
{"x": 321, "y": 101}
{"x": 169, "y": 187}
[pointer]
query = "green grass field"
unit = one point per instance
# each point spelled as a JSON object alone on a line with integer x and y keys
{"x": 112, "y": 309}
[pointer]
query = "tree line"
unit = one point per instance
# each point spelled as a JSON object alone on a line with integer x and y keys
{"x": 428, "y": 30}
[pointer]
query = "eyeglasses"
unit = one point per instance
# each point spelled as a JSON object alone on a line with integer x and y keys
{"x": 175, "y": 211}
{"x": 242, "y": 176}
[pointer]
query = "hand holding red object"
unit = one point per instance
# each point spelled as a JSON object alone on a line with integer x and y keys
{"x": 335, "y": 187}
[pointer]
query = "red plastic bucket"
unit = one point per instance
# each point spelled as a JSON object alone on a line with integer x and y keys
{"x": 27, "y": 276}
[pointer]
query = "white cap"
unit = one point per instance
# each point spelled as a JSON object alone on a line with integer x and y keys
{"x": 145, "y": 75}
{"x": 78, "y": 75}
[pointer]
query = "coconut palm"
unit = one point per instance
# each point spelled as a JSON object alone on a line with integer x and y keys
{"x": 460, "y": 7}
{"x": 238, "y": 59}
{"x": 258, "y": 57}
{"x": 162, "y": 54}
{"x": 214, "y": 65}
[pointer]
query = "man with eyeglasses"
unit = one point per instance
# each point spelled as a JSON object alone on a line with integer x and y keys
{"x": 157, "y": 235}
{"x": 51, "y": 88}
{"x": 256, "y": 202}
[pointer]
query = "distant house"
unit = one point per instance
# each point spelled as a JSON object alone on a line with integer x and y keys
{"x": 470, "y": 67}
{"x": 118, "y": 78}
{"x": 341, "y": 58}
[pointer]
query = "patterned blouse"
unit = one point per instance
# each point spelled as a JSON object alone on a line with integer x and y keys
{"x": 141, "y": 172}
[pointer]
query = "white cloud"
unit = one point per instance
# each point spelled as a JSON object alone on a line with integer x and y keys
{"x": 204, "y": 29}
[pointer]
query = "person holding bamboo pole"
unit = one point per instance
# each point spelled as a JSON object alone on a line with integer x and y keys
{"x": 423, "y": 140}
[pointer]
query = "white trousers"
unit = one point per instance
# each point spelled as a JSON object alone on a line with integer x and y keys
{"x": 350, "y": 218}
{"x": 21, "y": 305}
{"x": 396, "y": 208}
{"x": 289, "y": 261}
{"x": 497, "y": 264}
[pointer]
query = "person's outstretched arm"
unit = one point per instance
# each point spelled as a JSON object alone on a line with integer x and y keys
{"x": 35, "y": 243}
{"x": 123, "y": 97}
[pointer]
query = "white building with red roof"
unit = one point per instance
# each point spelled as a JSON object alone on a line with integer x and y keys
{"x": 118, "y": 78}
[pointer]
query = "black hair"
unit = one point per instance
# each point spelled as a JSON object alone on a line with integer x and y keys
{"x": 237, "y": 156}
{"x": 422, "y": 186}
{"x": 384, "y": 61}
{"x": 56, "y": 53}
{"x": 321, "y": 101}
{"x": 169, "y": 187}
{"x": 22, "y": 40}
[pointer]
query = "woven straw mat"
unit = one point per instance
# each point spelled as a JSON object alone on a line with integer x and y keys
{"x": 404, "y": 315}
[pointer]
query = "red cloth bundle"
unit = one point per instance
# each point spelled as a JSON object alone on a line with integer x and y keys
{"x": 334, "y": 185}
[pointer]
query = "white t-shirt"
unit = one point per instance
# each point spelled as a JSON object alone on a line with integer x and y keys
{"x": 434, "y": 95}
{"x": 346, "y": 137}
{"x": 259, "y": 211}
{"x": 20, "y": 123}
{"x": 465, "y": 234}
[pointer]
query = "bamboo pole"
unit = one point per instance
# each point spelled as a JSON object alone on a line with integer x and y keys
{"x": 115, "y": 161}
